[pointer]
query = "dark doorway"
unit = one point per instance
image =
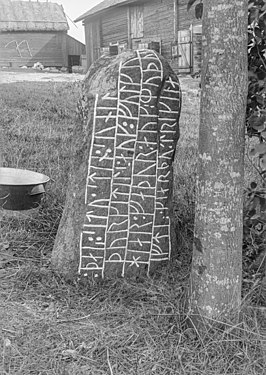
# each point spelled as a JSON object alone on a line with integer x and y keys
{"x": 72, "y": 61}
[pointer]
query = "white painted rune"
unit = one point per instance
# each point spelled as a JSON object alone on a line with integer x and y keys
{"x": 133, "y": 141}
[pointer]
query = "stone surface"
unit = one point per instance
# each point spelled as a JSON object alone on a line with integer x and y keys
{"x": 130, "y": 110}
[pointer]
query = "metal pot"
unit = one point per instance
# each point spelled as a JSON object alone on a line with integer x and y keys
{"x": 21, "y": 189}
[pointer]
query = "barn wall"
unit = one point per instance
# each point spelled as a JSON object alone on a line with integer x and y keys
{"x": 163, "y": 20}
{"x": 114, "y": 26}
{"x": 92, "y": 40}
{"x": 111, "y": 27}
{"x": 159, "y": 24}
{"x": 188, "y": 23}
{"x": 27, "y": 48}
{"x": 74, "y": 47}
{"x": 186, "y": 18}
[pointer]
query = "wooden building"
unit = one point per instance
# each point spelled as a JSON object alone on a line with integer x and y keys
{"x": 163, "y": 25}
{"x": 34, "y": 31}
{"x": 75, "y": 50}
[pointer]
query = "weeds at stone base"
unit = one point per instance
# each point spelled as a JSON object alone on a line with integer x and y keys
{"x": 121, "y": 327}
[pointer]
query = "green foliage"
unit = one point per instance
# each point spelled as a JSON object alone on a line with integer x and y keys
{"x": 256, "y": 111}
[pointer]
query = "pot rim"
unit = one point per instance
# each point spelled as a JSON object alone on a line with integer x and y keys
{"x": 21, "y": 177}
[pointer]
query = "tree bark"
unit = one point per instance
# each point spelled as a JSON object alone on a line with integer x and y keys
{"x": 215, "y": 288}
{"x": 1, "y": 144}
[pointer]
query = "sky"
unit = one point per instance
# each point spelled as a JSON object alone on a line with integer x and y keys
{"x": 73, "y": 9}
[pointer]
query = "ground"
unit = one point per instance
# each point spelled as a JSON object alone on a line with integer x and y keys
{"x": 31, "y": 75}
{"x": 50, "y": 326}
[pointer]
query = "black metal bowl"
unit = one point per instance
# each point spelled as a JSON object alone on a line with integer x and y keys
{"x": 21, "y": 189}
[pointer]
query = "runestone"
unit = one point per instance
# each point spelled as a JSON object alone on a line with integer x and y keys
{"x": 127, "y": 224}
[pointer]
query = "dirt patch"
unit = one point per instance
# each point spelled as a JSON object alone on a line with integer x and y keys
{"x": 7, "y": 76}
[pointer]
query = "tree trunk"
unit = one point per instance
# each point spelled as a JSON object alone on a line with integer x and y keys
{"x": 216, "y": 275}
{"x": 1, "y": 144}
{"x": 118, "y": 216}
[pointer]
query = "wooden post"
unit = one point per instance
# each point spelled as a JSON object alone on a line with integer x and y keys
{"x": 65, "y": 49}
{"x": 129, "y": 40}
{"x": 88, "y": 42}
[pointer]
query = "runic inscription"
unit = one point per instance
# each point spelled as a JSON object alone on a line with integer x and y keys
{"x": 134, "y": 135}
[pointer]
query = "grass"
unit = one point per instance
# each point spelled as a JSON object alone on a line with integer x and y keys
{"x": 53, "y": 327}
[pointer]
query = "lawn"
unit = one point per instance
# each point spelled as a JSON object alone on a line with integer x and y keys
{"x": 119, "y": 327}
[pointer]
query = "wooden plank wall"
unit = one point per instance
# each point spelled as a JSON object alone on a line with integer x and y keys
{"x": 93, "y": 40}
{"x": 159, "y": 24}
{"x": 74, "y": 47}
{"x": 114, "y": 26}
{"x": 184, "y": 21}
{"x": 136, "y": 21}
{"x": 27, "y": 48}
{"x": 186, "y": 18}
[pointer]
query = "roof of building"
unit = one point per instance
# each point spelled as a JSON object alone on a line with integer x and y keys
{"x": 104, "y": 5}
{"x": 32, "y": 16}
